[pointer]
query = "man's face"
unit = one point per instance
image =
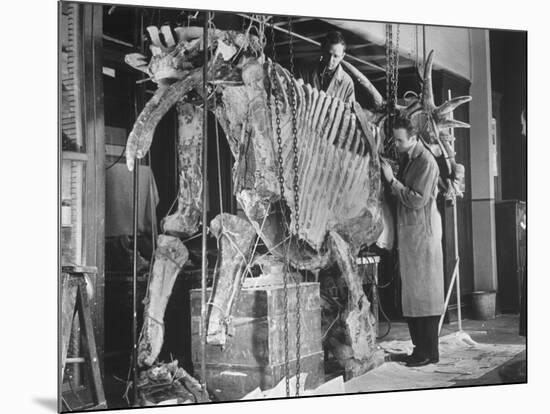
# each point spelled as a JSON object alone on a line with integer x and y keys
{"x": 334, "y": 55}
{"x": 403, "y": 142}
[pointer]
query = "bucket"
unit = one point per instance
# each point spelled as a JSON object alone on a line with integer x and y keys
{"x": 484, "y": 304}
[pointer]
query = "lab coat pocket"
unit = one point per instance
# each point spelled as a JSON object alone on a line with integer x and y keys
{"x": 411, "y": 236}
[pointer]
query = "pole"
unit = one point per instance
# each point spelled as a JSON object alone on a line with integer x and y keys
{"x": 456, "y": 270}
{"x": 204, "y": 200}
{"x": 135, "y": 246}
{"x": 313, "y": 42}
{"x": 134, "y": 284}
{"x": 448, "y": 296}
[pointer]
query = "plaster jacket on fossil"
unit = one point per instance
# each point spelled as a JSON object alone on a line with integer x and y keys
{"x": 339, "y": 186}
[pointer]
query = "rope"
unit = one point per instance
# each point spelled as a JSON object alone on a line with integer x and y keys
{"x": 226, "y": 233}
{"x": 330, "y": 326}
{"x": 226, "y": 319}
{"x": 216, "y": 306}
{"x": 258, "y": 238}
{"x": 146, "y": 315}
{"x": 164, "y": 252}
{"x": 270, "y": 250}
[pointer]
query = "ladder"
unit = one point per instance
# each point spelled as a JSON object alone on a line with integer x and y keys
{"x": 74, "y": 303}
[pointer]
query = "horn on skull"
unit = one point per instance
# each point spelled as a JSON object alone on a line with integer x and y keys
{"x": 366, "y": 84}
{"x": 452, "y": 123}
{"x": 427, "y": 90}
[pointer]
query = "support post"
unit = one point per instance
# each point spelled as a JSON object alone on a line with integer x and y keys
{"x": 456, "y": 271}
{"x": 455, "y": 231}
{"x": 481, "y": 160}
{"x": 134, "y": 284}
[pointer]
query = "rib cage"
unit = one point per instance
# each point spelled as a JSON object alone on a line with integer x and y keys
{"x": 337, "y": 175}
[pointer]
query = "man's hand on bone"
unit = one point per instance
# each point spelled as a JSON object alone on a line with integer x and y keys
{"x": 387, "y": 171}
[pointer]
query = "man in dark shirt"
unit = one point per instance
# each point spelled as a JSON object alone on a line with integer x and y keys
{"x": 328, "y": 74}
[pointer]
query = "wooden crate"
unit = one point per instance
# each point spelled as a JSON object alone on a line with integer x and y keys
{"x": 254, "y": 354}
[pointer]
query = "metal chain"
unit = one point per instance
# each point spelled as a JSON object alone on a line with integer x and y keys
{"x": 395, "y": 75}
{"x": 296, "y": 199}
{"x": 282, "y": 190}
{"x": 392, "y": 74}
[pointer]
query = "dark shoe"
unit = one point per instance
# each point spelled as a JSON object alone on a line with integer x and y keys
{"x": 418, "y": 362}
{"x": 412, "y": 357}
{"x": 434, "y": 360}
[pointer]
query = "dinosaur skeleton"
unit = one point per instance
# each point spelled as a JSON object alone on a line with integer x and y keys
{"x": 340, "y": 203}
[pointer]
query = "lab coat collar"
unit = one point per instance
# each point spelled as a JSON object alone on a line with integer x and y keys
{"x": 415, "y": 151}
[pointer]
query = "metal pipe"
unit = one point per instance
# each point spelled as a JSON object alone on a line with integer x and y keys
{"x": 448, "y": 296}
{"x": 204, "y": 199}
{"x": 458, "y": 299}
{"x": 455, "y": 223}
{"x": 313, "y": 42}
{"x": 456, "y": 270}
{"x": 134, "y": 273}
{"x": 134, "y": 283}
{"x": 152, "y": 206}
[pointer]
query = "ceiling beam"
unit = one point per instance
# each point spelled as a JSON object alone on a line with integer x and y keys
{"x": 286, "y": 42}
{"x": 352, "y": 47}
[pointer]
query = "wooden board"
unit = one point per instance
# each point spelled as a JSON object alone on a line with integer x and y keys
{"x": 254, "y": 354}
{"x": 229, "y": 382}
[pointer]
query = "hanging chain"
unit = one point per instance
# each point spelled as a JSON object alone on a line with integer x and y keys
{"x": 392, "y": 75}
{"x": 394, "y": 78}
{"x": 388, "y": 144}
{"x": 282, "y": 190}
{"x": 296, "y": 198}
{"x": 395, "y": 67}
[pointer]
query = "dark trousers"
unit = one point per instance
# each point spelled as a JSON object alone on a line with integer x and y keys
{"x": 424, "y": 336}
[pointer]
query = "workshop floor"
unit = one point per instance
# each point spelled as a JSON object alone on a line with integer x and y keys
{"x": 502, "y": 330}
